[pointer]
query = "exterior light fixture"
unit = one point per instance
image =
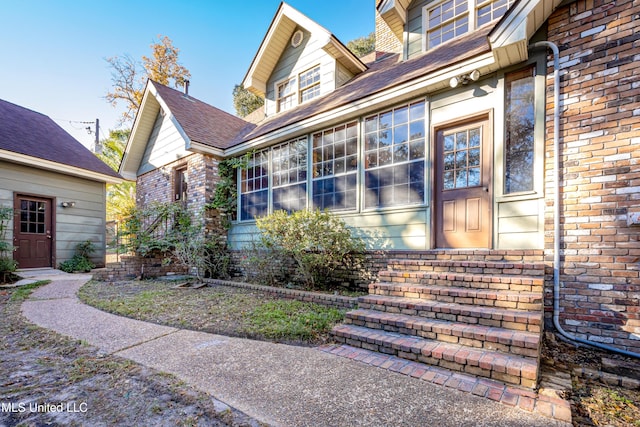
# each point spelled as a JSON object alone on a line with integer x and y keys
{"x": 464, "y": 79}
{"x": 68, "y": 204}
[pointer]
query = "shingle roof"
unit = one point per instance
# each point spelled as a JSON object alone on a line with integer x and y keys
{"x": 33, "y": 134}
{"x": 381, "y": 75}
{"x": 202, "y": 123}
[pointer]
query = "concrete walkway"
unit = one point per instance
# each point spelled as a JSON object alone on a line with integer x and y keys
{"x": 275, "y": 384}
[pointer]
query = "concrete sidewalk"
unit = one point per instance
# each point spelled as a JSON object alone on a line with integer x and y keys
{"x": 276, "y": 384}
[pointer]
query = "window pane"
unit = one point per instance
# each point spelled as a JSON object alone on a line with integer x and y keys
{"x": 519, "y": 131}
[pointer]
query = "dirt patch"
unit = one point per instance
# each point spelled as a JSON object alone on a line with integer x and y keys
{"x": 593, "y": 402}
{"x": 48, "y": 379}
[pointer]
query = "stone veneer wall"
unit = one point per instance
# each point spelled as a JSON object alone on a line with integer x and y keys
{"x": 599, "y": 42}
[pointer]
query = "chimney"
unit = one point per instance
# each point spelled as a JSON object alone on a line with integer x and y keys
{"x": 186, "y": 87}
{"x": 387, "y": 41}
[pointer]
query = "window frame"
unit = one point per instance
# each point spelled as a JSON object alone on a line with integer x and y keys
{"x": 181, "y": 184}
{"x": 292, "y": 96}
{"x": 302, "y": 165}
{"x": 472, "y": 9}
{"x": 314, "y": 84}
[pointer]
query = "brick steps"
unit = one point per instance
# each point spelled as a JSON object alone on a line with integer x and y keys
{"x": 477, "y": 312}
{"x": 470, "y": 280}
{"x": 487, "y": 316}
{"x": 491, "y": 338}
{"x": 512, "y": 369}
{"x": 461, "y": 295}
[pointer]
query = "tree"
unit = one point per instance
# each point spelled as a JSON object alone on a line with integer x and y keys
{"x": 363, "y": 45}
{"x": 245, "y": 102}
{"x": 121, "y": 198}
{"x": 129, "y": 76}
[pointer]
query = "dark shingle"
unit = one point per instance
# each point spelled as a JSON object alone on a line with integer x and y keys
{"x": 33, "y": 134}
{"x": 202, "y": 122}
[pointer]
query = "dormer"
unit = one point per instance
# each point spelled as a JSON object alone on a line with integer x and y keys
{"x": 297, "y": 62}
{"x": 415, "y": 27}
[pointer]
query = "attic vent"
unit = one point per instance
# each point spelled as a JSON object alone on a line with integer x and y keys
{"x": 296, "y": 39}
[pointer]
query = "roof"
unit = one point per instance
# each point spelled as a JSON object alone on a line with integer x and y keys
{"x": 201, "y": 122}
{"x": 27, "y": 134}
{"x": 383, "y": 74}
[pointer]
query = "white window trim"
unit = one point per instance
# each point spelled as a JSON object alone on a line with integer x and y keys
{"x": 319, "y": 67}
{"x": 472, "y": 11}
{"x": 294, "y": 94}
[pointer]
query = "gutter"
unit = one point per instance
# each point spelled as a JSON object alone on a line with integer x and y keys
{"x": 556, "y": 208}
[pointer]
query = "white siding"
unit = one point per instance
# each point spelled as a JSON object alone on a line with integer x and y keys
{"x": 85, "y": 221}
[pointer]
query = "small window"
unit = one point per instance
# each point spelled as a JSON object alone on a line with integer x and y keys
{"x": 286, "y": 94}
{"x": 519, "y": 128}
{"x": 309, "y": 84}
{"x": 180, "y": 185}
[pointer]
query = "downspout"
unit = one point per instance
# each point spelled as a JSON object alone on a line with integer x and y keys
{"x": 556, "y": 208}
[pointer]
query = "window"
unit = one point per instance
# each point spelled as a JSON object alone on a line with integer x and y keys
{"x": 309, "y": 84}
{"x": 335, "y": 167}
{"x": 451, "y": 18}
{"x": 254, "y": 186}
{"x": 180, "y": 185}
{"x": 286, "y": 94}
{"x": 394, "y": 157}
{"x": 32, "y": 217}
{"x": 519, "y": 127}
{"x": 461, "y": 163}
{"x": 289, "y": 175}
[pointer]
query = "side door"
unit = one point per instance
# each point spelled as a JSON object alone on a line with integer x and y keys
{"x": 33, "y": 234}
{"x": 463, "y": 185}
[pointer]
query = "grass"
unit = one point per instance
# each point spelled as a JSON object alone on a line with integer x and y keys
{"x": 21, "y": 293}
{"x": 222, "y": 310}
{"x": 292, "y": 320}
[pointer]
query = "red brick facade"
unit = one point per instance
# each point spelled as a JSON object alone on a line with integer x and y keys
{"x": 599, "y": 42}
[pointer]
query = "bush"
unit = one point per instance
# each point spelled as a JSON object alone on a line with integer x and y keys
{"x": 7, "y": 264}
{"x": 265, "y": 266}
{"x": 80, "y": 263}
{"x": 320, "y": 243}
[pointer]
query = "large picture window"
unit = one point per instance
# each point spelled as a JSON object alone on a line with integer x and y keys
{"x": 289, "y": 166}
{"x": 519, "y": 127}
{"x": 254, "y": 187}
{"x": 394, "y": 157}
{"x": 335, "y": 167}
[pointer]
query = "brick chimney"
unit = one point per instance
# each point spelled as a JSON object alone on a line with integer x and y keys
{"x": 386, "y": 40}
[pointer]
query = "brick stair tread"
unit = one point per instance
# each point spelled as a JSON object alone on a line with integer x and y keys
{"x": 480, "y": 312}
{"x": 507, "y": 337}
{"x": 510, "y": 364}
{"x": 503, "y": 265}
{"x": 465, "y": 277}
{"x": 489, "y": 294}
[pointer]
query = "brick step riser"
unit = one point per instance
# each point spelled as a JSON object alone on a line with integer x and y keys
{"x": 490, "y": 342}
{"x": 466, "y": 267}
{"x": 471, "y": 317}
{"x": 514, "y": 257}
{"x": 447, "y": 356}
{"x": 488, "y": 300}
{"x": 461, "y": 282}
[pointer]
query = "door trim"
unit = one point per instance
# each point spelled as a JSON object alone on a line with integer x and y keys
{"x": 52, "y": 219}
{"x": 486, "y": 115}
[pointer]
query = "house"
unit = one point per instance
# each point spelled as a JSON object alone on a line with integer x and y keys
{"x": 490, "y": 146}
{"x": 56, "y": 187}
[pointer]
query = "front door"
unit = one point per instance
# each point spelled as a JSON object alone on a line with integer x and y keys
{"x": 463, "y": 185}
{"x": 32, "y": 231}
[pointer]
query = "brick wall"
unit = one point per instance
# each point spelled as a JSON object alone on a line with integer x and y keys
{"x": 599, "y": 43}
{"x": 386, "y": 40}
{"x": 134, "y": 266}
{"x": 202, "y": 175}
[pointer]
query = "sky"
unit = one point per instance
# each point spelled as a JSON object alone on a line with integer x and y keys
{"x": 53, "y": 53}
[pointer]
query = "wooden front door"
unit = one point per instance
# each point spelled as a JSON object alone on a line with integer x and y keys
{"x": 32, "y": 231}
{"x": 463, "y": 185}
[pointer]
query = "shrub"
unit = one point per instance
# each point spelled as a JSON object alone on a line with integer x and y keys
{"x": 265, "y": 266}
{"x": 7, "y": 263}
{"x": 319, "y": 242}
{"x": 80, "y": 262}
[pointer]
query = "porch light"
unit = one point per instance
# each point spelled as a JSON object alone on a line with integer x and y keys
{"x": 464, "y": 79}
{"x": 68, "y": 204}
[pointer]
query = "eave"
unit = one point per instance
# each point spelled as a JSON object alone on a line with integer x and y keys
{"x": 394, "y": 13}
{"x": 48, "y": 165}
